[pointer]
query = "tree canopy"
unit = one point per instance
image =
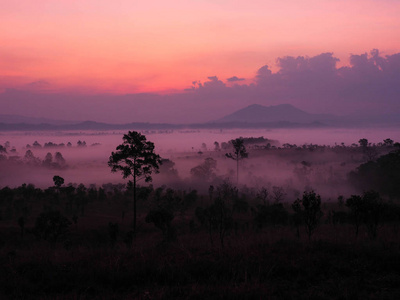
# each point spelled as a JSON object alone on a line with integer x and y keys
{"x": 382, "y": 175}
{"x": 135, "y": 157}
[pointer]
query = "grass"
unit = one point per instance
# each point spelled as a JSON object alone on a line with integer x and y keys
{"x": 267, "y": 263}
{"x": 271, "y": 264}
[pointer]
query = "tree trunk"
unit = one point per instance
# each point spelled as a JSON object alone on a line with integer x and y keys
{"x": 134, "y": 204}
{"x": 237, "y": 171}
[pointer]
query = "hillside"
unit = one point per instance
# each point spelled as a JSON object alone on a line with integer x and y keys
{"x": 279, "y": 113}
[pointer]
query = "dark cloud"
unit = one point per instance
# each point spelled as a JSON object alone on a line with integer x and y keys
{"x": 235, "y": 79}
{"x": 213, "y": 83}
{"x": 369, "y": 85}
{"x": 263, "y": 74}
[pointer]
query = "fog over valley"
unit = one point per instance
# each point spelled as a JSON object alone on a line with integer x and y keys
{"x": 291, "y": 159}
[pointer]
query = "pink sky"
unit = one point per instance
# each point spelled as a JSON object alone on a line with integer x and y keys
{"x": 125, "y": 46}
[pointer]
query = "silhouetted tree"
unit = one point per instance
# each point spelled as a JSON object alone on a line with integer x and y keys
{"x": 135, "y": 158}
{"x": 167, "y": 168}
{"x": 162, "y": 219}
{"x": 274, "y": 214}
{"x": 21, "y": 223}
{"x": 382, "y": 175}
{"x": 81, "y": 143}
{"x": 278, "y": 194}
{"x": 113, "y": 230}
{"x": 36, "y": 144}
{"x": 388, "y": 142}
{"x": 51, "y": 226}
{"x": 3, "y": 149}
{"x": 58, "y": 181}
{"x": 363, "y": 143}
{"x": 3, "y": 152}
{"x": 30, "y": 159}
{"x": 205, "y": 171}
{"x": 263, "y": 195}
{"x": 59, "y": 159}
{"x": 309, "y": 208}
{"x": 372, "y": 210}
{"x": 48, "y": 160}
{"x": 370, "y": 152}
{"x": 355, "y": 203}
{"x": 238, "y": 154}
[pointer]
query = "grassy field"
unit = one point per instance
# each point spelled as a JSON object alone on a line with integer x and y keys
{"x": 91, "y": 260}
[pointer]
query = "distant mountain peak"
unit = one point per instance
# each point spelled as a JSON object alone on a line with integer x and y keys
{"x": 256, "y": 113}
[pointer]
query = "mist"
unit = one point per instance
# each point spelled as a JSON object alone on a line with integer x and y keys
{"x": 292, "y": 161}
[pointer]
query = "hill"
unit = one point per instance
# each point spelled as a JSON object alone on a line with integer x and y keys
{"x": 271, "y": 114}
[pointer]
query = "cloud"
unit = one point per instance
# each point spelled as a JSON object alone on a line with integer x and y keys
{"x": 235, "y": 79}
{"x": 213, "y": 83}
{"x": 369, "y": 85}
{"x": 38, "y": 85}
{"x": 263, "y": 74}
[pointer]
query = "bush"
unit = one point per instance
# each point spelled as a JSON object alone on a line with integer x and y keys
{"x": 51, "y": 225}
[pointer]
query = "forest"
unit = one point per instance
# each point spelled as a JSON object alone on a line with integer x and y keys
{"x": 324, "y": 223}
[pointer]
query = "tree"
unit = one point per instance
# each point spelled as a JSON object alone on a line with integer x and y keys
{"x": 162, "y": 219}
{"x": 135, "y": 158}
{"x": 309, "y": 207}
{"x": 81, "y": 144}
{"x": 48, "y": 160}
{"x": 223, "y": 209}
{"x": 355, "y": 204}
{"x": 3, "y": 149}
{"x": 58, "y": 181}
{"x": 372, "y": 211}
{"x": 51, "y": 226}
{"x": 388, "y": 142}
{"x": 382, "y": 175}
{"x": 36, "y": 144}
{"x": 167, "y": 168}
{"x": 278, "y": 194}
{"x": 363, "y": 143}
{"x": 205, "y": 171}
{"x": 368, "y": 209}
{"x": 59, "y": 159}
{"x": 238, "y": 154}
{"x": 30, "y": 159}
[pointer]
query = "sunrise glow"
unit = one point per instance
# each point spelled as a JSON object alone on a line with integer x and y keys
{"x": 157, "y": 46}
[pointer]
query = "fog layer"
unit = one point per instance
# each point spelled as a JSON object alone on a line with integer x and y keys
{"x": 290, "y": 159}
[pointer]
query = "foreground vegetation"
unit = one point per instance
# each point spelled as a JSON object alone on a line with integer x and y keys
{"x": 77, "y": 242}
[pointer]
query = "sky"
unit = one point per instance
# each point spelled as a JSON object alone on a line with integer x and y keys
{"x": 169, "y": 55}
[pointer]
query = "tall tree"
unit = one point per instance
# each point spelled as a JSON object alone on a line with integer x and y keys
{"x": 135, "y": 158}
{"x": 238, "y": 154}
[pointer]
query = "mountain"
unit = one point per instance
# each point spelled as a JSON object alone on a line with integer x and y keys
{"x": 253, "y": 116}
{"x": 16, "y": 119}
{"x": 271, "y": 114}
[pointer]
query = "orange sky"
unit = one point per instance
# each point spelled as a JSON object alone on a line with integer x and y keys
{"x": 126, "y": 46}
